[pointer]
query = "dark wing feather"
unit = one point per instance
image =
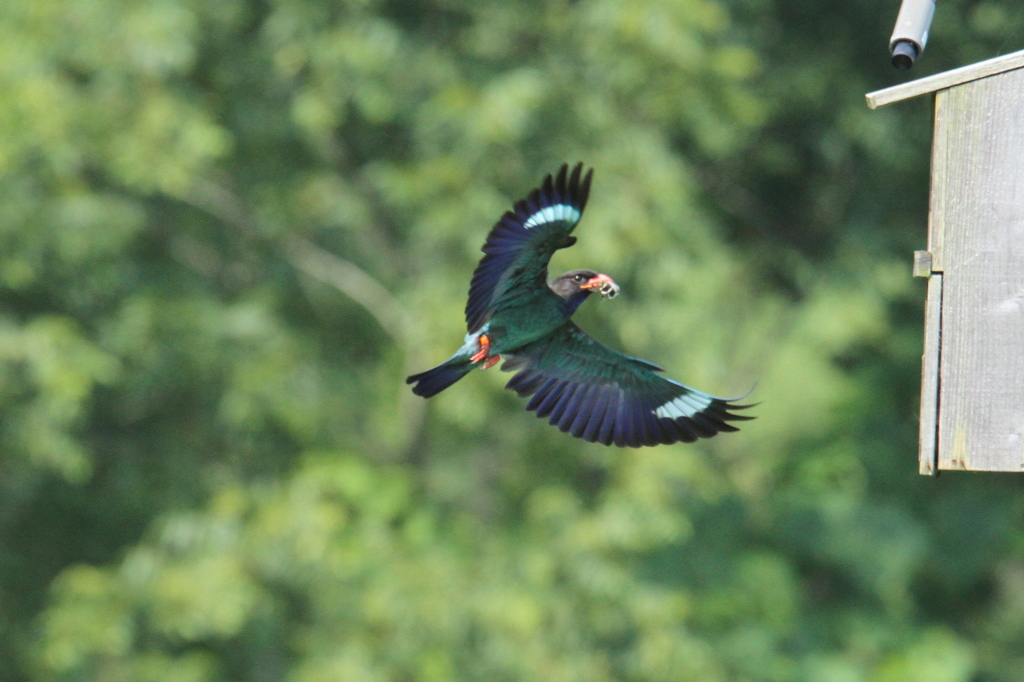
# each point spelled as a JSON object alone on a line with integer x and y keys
{"x": 520, "y": 245}
{"x": 602, "y": 396}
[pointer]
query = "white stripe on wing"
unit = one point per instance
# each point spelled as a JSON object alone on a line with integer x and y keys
{"x": 685, "y": 405}
{"x": 550, "y": 214}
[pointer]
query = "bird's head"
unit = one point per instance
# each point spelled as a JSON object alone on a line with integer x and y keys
{"x": 576, "y": 285}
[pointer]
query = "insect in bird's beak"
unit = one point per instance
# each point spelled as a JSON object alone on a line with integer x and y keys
{"x": 603, "y": 284}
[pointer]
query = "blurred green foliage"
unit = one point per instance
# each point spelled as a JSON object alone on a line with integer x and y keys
{"x": 228, "y": 231}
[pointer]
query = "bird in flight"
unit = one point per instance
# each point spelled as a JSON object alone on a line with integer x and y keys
{"x": 581, "y": 386}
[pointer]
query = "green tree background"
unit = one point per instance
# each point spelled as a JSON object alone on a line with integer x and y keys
{"x": 229, "y": 229}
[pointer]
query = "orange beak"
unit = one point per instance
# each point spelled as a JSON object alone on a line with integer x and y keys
{"x": 603, "y": 284}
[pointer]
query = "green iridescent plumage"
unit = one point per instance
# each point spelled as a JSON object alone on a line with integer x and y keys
{"x": 580, "y": 385}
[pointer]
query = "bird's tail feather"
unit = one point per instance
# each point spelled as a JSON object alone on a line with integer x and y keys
{"x": 435, "y": 380}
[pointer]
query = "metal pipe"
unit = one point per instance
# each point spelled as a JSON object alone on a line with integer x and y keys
{"x": 911, "y": 32}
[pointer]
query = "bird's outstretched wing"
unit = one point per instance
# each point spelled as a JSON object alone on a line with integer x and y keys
{"x": 520, "y": 245}
{"x": 603, "y": 396}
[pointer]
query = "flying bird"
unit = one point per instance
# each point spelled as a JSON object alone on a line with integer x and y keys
{"x": 581, "y": 386}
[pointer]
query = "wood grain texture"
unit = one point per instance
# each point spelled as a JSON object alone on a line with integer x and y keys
{"x": 928, "y": 438}
{"x": 946, "y": 79}
{"x": 922, "y": 264}
{"x": 976, "y": 237}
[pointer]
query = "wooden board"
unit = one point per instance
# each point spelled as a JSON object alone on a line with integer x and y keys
{"x": 928, "y": 464}
{"x": 976, "y": 236}
{"x": 946, "y": 79}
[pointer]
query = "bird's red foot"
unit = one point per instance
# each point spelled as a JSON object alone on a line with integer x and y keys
{"x": 485, "y": 345}
{"x": 491, "y": 361}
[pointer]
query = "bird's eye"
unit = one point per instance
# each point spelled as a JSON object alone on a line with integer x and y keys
{"x": 579, "y": 278}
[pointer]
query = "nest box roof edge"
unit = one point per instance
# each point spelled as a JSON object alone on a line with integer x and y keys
{"x": 946, "y": 79}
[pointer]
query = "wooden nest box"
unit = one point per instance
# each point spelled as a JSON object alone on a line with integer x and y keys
{"x": 972, "y": 390}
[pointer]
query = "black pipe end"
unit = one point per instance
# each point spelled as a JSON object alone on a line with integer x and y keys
{"x": 904, "y": 52}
